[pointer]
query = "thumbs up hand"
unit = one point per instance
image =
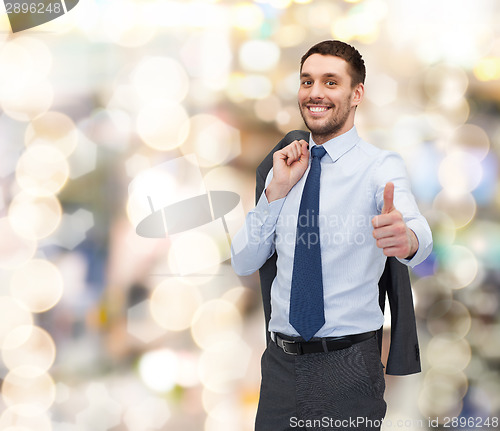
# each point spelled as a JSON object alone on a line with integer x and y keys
{"x": 390, "y": 230}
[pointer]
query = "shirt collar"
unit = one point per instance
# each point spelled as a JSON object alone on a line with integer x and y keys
{"x": 338, "y": 146}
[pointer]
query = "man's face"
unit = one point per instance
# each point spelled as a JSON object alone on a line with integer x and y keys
{"x": 326, "y": 99}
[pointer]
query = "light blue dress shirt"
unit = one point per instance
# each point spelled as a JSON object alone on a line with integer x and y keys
{"x": 353, "y": 177}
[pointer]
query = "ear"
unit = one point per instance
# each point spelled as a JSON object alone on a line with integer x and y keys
{"x": 358, "y": 94}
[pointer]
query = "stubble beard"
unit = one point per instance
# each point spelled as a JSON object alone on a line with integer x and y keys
{"x": 329, "y": 129}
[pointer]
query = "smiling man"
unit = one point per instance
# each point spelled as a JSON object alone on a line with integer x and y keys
{"x": 327, "y": 108}
{"x": 333, "y": 209}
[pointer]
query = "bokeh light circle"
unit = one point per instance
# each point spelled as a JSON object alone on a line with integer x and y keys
{"x": 132, "y": 30}
{"x": 14, "y": 249}
{"x": 14, "y": 315}
{"x": 194, "y": 251}
{"x": 267, "y": 109}
{"x": 449, "y": 117}
{"x": 40, "y": 55}
{"x": 259, "y": 55}
{"x": 246, "y": 16}
{"x": 461, "y": 208}
{"x": 212, "y": 140}
{"x": 445, "y": 84}
{"x": 17, "y": 65}
{"x": 29, "y": 390}
{"x": 160, "y": 78}
{"x": 442, "y": 227}
{"x": 208, "y": 55}
{"x": 289, "y": 35}
{"x": 187, "y": 375}
{"x": 18, "y": 428}
{"x": 25, "y": 62}
{"x": 215, "y": 321}
{"x": 148, "y": 413}
{"x": 442, "y": 392}
{"x": 460, "y": 173}
{"x": 53, "y": 129}
{"x": 248, "y": 87}
{"x": 148, "y": 182}
{"x": 450, "y": 319}
{"x": 174, "y": 303}
{"x": 158, "y": 369}
{"x": 224, "y": 417}
{"x": 218, "y": 371}
{"x": 163, "y": 125}
{"x": 42, "y": 170}
{"x": 29, "y": 346}
{"x": 32, "y": 100}
{"x": 211, "y": 399}
{"x": 226, "y": 178}
{"x": 429, "y": 291}
{"x": 34, "y": 217}
{"x": 12, "y": 419}
{"x": 459, "y": 266}
{"x": 38, "y": 284}
{"x": 471, "y": 139}
{"x": 487, "y": 69}
{"x": 445, "y": 352}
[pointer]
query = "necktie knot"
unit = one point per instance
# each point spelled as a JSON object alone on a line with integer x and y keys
{"x": 318, "y": 151}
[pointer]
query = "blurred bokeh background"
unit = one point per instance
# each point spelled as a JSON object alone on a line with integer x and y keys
{"x": 104, "y": 329}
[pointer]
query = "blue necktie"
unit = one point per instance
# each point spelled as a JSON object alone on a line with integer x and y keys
{"x": 307, "y": 314}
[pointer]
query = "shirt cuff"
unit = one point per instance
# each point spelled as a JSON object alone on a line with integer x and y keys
{"x": 424, "y": 244}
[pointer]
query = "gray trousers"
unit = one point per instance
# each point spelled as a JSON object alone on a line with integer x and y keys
{"x": 339, "y": 390}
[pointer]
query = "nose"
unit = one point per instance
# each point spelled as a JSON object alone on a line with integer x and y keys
{"x": 316, "y": 92}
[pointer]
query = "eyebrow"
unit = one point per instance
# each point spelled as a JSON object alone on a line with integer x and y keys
{"x": 325, "y": 75}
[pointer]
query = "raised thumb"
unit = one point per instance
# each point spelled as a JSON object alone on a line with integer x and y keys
{"x": 388, "y": 198}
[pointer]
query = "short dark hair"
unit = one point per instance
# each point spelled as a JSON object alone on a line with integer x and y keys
{"x": 347, "y": 52}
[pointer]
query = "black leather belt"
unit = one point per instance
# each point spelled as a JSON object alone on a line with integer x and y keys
{"x": 323, "y": 345}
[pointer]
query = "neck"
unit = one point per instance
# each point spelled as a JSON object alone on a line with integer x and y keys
{"x": 320, "y": 139}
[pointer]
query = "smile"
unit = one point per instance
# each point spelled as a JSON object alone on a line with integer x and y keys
{"x": 318, "y": 108}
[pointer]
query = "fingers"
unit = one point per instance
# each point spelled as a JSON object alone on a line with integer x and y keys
{"x": 388, "y": 198}
{"x": 395, "y": 229}
{"x": 401, "y": 252}
{"x": 305, "y": 148}
{"x": 386, "y": 219}
{"x": 397, "y": 247}
{"x": 294, "y": 151}
{"x": 393, "y": 241}
{"x": 392, "y": 235}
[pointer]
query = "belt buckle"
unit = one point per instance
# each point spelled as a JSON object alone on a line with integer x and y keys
{"x": 285, "y": 343}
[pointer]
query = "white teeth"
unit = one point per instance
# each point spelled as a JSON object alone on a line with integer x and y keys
{"x": 317, "y": 108}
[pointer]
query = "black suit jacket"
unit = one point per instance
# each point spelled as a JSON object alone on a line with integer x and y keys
{"x": 404, "y": 353}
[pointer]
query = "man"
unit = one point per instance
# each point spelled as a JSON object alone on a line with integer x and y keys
{"x": 333, "y": 209}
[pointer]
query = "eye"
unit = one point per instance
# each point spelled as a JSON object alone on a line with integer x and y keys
{"x": 306, "y": 83}
{"x": 331, "y": 83}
